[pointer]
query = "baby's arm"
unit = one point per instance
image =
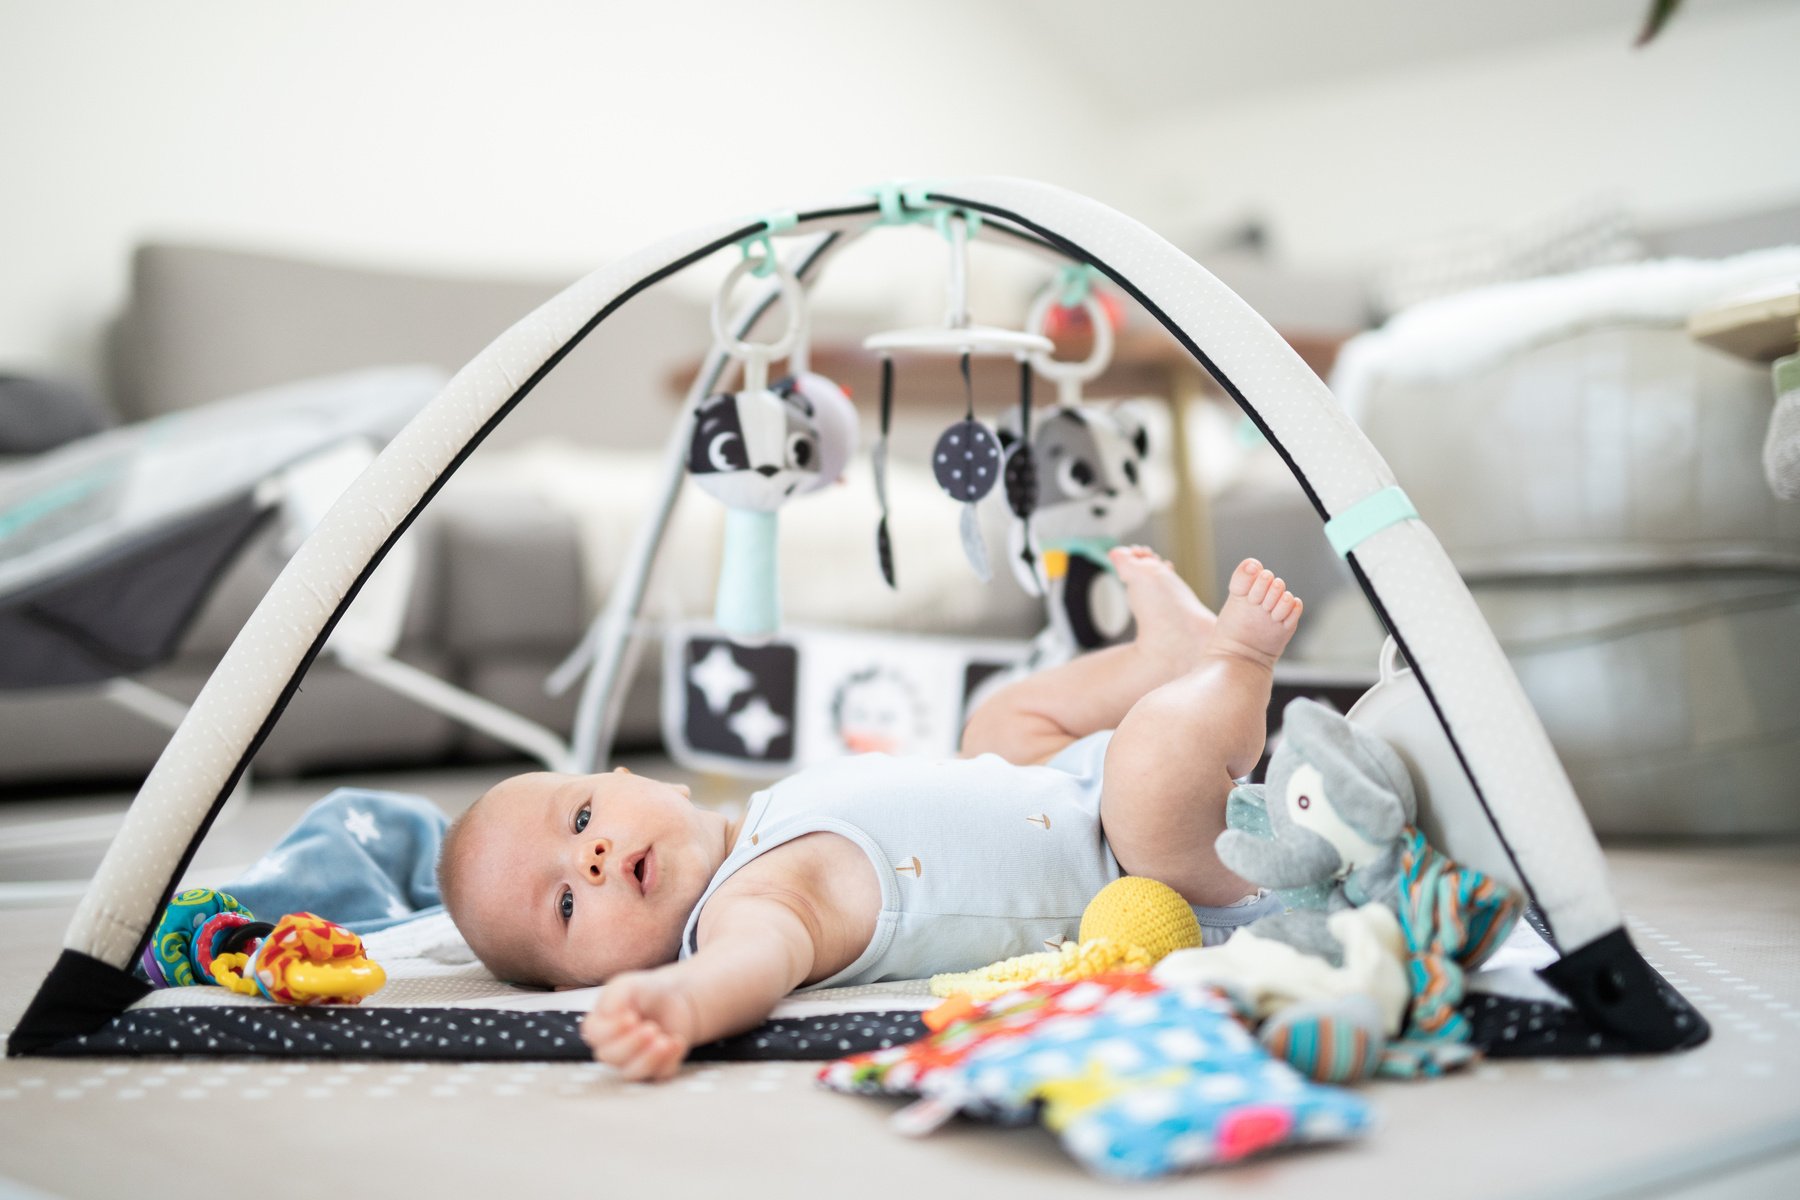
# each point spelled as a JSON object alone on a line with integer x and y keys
{"x": 758, "y": 948}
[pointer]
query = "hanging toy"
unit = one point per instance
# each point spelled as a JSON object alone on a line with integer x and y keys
{"x": 967, "y": 460}
{"x": 884, "y": 545}
{"x": 966, "y": 464}
{"x": 1022, "y": 490}
{"x": 756, "y": 448}
{"x": 1087, "y": 464}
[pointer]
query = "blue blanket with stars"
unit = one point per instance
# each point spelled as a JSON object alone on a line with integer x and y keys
{"x": 363, "y": 858}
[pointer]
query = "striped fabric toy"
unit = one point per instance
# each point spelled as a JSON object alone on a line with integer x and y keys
{"x": 1453, "y": 918}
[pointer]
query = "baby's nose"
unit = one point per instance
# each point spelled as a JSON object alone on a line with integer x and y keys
{"x": 594, "y": 861}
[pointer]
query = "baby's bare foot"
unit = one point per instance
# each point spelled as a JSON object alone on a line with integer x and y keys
{"x": 1172, "y": 624}
{"x": 1259, "y": 615}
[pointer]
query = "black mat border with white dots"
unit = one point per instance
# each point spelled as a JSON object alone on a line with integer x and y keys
{"x": 458, "y": 1034}
{"x": 1503, "y": 1026}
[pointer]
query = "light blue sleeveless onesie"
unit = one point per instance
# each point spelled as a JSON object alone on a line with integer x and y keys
{"x": 978, "y": 859}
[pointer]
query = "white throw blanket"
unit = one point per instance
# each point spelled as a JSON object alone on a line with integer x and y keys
{"x": 1447, "y": 338}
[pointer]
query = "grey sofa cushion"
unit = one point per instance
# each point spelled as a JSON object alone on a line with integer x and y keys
{"x": 203, "y": 323}
{"x": 1613, "y": 449}
{"x": 41, "y": 414}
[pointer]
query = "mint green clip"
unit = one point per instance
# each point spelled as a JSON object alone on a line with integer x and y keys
{"x": 1368, "y": 517}
{"x": 941, "y": 219}
{"x": 903, "y": 203}
{"x": 772, "y": 224}
{"x": 1075, "y": 283}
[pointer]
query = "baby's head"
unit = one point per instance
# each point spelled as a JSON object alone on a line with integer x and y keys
{"x": 566, "y": 880}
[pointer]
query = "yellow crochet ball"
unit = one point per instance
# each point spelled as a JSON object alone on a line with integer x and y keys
{"x": 1136, "y": 911}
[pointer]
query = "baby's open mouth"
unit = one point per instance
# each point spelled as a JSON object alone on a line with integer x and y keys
{"x": 642, "y": 873}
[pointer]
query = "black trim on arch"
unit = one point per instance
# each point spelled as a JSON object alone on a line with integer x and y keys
{"x": 499, "y": 414}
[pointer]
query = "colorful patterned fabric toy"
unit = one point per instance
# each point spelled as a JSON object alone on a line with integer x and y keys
{"x": 193, "y": 926}
{"x": 1136, "y": 1079}
{"x": 1454, "y": 918}
{"x": 1130, "y": 924}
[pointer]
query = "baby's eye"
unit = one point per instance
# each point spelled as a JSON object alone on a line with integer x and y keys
{"x": 581, "y": 818}
{"x": 565, "y": 904}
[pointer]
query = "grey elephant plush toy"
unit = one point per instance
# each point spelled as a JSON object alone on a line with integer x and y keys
{"x": 1324, "y": 831}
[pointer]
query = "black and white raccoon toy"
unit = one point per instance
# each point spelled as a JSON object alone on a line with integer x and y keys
{"x": 1089, "y": 462}
{"x": 754, "y": 450}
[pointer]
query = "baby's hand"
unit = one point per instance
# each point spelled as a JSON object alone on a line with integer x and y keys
{"x": 642, "y": 1024}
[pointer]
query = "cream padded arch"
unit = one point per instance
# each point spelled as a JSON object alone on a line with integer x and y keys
{"x": 1515, "y": 774}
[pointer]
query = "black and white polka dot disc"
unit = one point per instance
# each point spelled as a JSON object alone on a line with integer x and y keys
{"x": 966, "y": 461}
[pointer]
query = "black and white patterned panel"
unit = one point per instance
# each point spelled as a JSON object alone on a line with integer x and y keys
{"x": 454, "y": 1034}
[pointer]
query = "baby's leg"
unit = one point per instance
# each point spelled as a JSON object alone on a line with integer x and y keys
{"x": 1171, "y": 763}
{"x": 1031, "y": 719}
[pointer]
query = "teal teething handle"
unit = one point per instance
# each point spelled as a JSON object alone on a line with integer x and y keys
{"x": 749, "y": 604}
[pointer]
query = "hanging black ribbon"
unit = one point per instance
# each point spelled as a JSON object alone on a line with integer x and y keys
{"x": 884, "y": 547}
{"x": 1021, "y": 470}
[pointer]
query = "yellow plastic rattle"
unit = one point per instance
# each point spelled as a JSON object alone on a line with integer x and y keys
{"x": 304, "y": 960}
{"x": 1129, "y": 926}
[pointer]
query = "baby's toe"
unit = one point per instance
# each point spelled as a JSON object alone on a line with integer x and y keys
{"x": 1288, "y": 604}
{"x": 1260, "y": 587}
{"x": 1272, "y": 597}
{"x": 1244, "y": 578}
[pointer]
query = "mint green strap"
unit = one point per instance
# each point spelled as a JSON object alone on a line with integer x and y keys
{"x": 1368, "y": 517}
{"x": 903, "y": 202}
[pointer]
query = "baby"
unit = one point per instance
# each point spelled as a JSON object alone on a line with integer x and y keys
{"x": 874, "y": 867}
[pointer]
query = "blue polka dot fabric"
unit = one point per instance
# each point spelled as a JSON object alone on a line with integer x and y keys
{"x": 1138, "y": 1080}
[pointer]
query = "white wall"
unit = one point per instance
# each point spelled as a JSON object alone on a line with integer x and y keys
{"x": 544, "y": 136}
{"x": 1698, "y": 125}
{"x": 536, "y": 136}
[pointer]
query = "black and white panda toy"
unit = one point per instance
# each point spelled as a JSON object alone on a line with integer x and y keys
{"x": 1089, "y": 461}
{"x": 754, "y": 450}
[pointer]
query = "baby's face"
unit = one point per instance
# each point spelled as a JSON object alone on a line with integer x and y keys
{"x": 570, "y": 879}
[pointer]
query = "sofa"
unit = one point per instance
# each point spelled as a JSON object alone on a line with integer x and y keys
{"x": 1594, "y": 473}
{"x": 520, "y": 548}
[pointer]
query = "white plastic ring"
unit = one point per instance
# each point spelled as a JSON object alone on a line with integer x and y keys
{"x": 1390, "y": 659}
{"x": 792, "y": 294}
{"x": 1075, "y": 372}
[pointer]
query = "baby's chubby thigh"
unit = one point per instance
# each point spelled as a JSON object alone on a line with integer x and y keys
{"x": 1166, "y": 782}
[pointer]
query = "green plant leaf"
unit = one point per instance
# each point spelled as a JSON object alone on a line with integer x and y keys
{"x": 1660, "y": 12}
